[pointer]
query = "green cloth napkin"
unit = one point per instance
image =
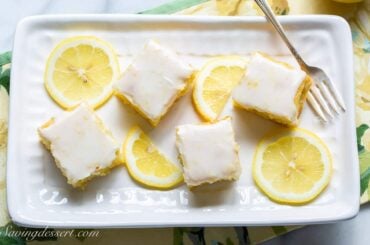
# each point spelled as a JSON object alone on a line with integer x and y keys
{"x": 359, "y": 21}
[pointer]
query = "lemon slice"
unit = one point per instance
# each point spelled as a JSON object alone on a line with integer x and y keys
{"x": 292, "y": 166}
{"x": 214, "y": 83}
{"x": 80, "y": 69}
{"x": 146, "y": 164}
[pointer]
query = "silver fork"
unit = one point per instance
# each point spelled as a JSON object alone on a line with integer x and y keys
{"x": 323, "y": 96}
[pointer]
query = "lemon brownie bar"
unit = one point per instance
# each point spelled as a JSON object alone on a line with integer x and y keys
{"x": 208, "y": 152}
{"x": 80, "y": 144}
{"x": 153, "y": 81}
{"x": 273, "y": 89}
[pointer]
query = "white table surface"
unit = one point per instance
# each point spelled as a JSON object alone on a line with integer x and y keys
{"x": 351, "y": 232}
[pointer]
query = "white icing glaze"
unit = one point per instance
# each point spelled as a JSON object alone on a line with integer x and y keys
{"x": 209, "y": 152}
{"x": 154, "y": 79}
{"x": 270, "y": 87}
{"x": 79, "y": 143}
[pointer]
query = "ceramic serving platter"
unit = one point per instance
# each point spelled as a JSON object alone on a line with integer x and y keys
{"x": 38, "y": 195}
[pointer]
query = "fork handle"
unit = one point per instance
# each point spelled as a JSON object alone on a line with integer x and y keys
{"x": 264, "y": 6}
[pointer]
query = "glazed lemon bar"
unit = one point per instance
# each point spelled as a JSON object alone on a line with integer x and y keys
{"x": 153, "y": 81}
{"x": 208, "y": 152}
{"x": 273, "y": 89}
{"x": 80, "y": 144}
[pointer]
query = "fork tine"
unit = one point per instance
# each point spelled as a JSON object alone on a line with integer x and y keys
{"x": 324, "y": 90}
{"x": 335, "y": 93}
{"x": 315, "y": 106}
{"x": 317, "y": 94}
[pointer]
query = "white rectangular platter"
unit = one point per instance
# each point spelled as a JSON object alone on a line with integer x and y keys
{"x": 38, "y": 194}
